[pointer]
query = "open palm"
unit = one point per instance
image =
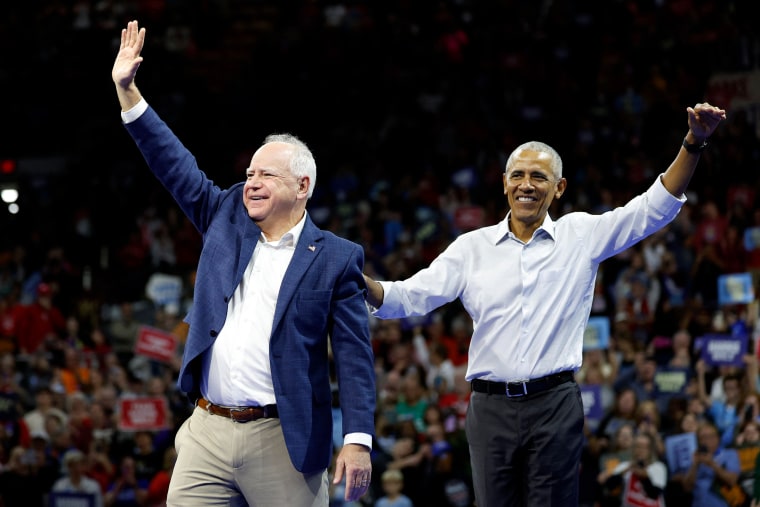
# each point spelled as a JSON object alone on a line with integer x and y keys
{"x": 128, "y": 60}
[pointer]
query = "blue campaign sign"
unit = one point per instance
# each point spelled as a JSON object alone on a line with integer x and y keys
{"x": 597, "y": 333}
{"x": 679, "y": 450}
{"x": 61, "y": 499}
{"x": 735, "y": 288}
{"x": 724, "y": 349}
{"x": 671, "y": 381}
{"x": 591, "y": 396}
{"x": 752, "y": 238}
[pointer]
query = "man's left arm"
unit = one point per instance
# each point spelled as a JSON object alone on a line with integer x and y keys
{"x": 354, "y": 363}
{"x": 703, "y": 119}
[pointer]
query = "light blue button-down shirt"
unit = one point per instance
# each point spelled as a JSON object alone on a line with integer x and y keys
{"x": 529, "y": 302}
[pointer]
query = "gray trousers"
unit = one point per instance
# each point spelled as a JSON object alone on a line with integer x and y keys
{"x": 224, "y": 463}
{"x": 526, "y": 451}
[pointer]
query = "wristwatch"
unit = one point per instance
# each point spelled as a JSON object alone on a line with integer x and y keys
{"x": 694, "y": 148}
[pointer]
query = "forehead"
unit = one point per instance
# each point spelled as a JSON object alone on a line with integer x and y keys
{"x": 272, "y": 155}
{"x": 531, "y": 160}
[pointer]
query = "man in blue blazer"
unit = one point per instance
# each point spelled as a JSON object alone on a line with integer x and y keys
{"x": 275, "y": 297}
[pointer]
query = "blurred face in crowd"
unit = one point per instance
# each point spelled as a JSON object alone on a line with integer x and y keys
{"x": 733, "y": 390}
{"x": 274, "y": 197}
{"x": 708, "y": 437}
{"x": 530, "y": 186}
{"x": 642, "y": 448}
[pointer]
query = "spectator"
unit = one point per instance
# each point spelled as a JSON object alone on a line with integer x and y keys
{"x": 40, "y": 322}
{"x": 643, "y": 478}
{"x": 724, "y": 414}
{"x": 413, "y": 400}
{"x": 126, "y": 490}
{"x": 158, "y": 488}
{"x": 714, "y": 472}
{"x": 393, "y": 484}
{"x": 75, "y": 480}
{"x": 44, "y": 406}
{"x": 747, "y": 445}
{"x": 19, "y": 481}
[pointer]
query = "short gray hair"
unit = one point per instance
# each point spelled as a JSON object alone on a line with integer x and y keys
{"x": 301, "y": 162}
{"x": 555, "y": 159}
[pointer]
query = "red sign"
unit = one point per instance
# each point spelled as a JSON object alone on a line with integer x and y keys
{"x": 468, "y": 218}
{"x": 156, "y": 344}
{"x": 149, "y": 414}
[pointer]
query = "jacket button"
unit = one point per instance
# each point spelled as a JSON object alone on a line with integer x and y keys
{"x": 213, "y": 333}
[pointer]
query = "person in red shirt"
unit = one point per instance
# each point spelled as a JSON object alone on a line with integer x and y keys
{"x": 39, "y": 321}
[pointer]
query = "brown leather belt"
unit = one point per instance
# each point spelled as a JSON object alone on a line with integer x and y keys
{"x": 239, "y": 414}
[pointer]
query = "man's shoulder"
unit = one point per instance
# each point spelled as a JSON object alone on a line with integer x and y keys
{"x": 332, "y": 240}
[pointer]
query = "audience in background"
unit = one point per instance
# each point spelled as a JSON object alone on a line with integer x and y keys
{"x": 396, "y": 97}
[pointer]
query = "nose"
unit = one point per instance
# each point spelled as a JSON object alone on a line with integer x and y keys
{"x": 526, "y": 183}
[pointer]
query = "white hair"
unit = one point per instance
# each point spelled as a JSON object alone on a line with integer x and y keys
{"x": 301, "y": 162}
{"x": 554, "y": 158}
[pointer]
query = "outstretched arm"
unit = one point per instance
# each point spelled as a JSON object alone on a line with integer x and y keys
{"x": 375, "y": 292}
{"x": 703, "y": 119}
{"x": 127, "y": 62}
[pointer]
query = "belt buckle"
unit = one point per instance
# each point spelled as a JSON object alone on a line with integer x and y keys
{"x": 523, "y": 383}
{"x": 233, "y": 410}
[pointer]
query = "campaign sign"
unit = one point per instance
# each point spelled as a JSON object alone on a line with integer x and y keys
{"x": 70, "y": 499}
{"x": 735, "y": 288}
{"x": 671, "y": 380}
{"x": 679, "y": 450}
{"x": 148, "y": 414}
{"x": 597, "y": 333}
{"x": 164, "y": 289}
{"x": 155, "y": 343}
{"x": 591, "y": 396}
{"x": 724, "y": 349}
{"x": 752, "y": 238}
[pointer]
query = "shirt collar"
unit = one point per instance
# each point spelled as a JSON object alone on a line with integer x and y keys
{"x": 502, "y": 229}
{"x": 291, "y": 237}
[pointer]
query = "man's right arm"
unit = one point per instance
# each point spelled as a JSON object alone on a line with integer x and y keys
{"x": 125, "y": 67}
{"x": 375, "y": 292}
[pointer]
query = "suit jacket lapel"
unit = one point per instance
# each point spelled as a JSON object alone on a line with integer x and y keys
{"x": 306, "y": 251}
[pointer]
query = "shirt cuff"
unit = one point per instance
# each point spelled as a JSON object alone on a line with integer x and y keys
{"x": 379, "y": 312}
{"x": 137, "y": 110}
{"x": 358, "y": 438}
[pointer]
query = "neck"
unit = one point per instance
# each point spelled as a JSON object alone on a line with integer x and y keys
{"x": 275, "y": 231}
{"x": 521, "y": 231}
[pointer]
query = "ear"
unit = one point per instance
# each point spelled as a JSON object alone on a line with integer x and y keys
{"x": 303, "y": 185}
{"x": 561, "y": 186}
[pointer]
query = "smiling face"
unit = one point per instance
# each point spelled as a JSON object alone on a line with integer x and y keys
{"x": 530, "y": 185}
{"x": 274, "y": 198}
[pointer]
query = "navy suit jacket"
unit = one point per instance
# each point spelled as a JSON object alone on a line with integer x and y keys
{"x": 321, "y": 299}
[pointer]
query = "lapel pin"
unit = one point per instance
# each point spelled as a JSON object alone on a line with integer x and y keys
{"x": 312, "y": 247}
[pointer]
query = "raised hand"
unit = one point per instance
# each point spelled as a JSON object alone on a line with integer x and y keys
{"x": 704, "y": 119}
{"x": 128, "y": 59}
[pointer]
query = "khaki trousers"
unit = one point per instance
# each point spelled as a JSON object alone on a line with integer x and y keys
{"x": 221, "y": 462}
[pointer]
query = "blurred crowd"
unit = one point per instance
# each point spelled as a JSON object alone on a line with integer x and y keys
{"x": 411, "y": 109}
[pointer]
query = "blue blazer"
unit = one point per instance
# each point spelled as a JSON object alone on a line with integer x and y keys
{"x": 321, "y": 298}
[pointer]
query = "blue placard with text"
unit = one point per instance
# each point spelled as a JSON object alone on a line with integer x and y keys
{"x": 679, "y": 450}
{"x": 597, "y": 333}
{"x": 724, "y": 349}
{"x": 735, "y": 288}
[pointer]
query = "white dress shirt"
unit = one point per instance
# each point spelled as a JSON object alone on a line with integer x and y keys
{"x": 529, "y": 302}
{"x": 236, "y": 369}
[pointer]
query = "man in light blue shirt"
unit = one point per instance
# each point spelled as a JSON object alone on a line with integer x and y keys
{"x": 527, "y": 282}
